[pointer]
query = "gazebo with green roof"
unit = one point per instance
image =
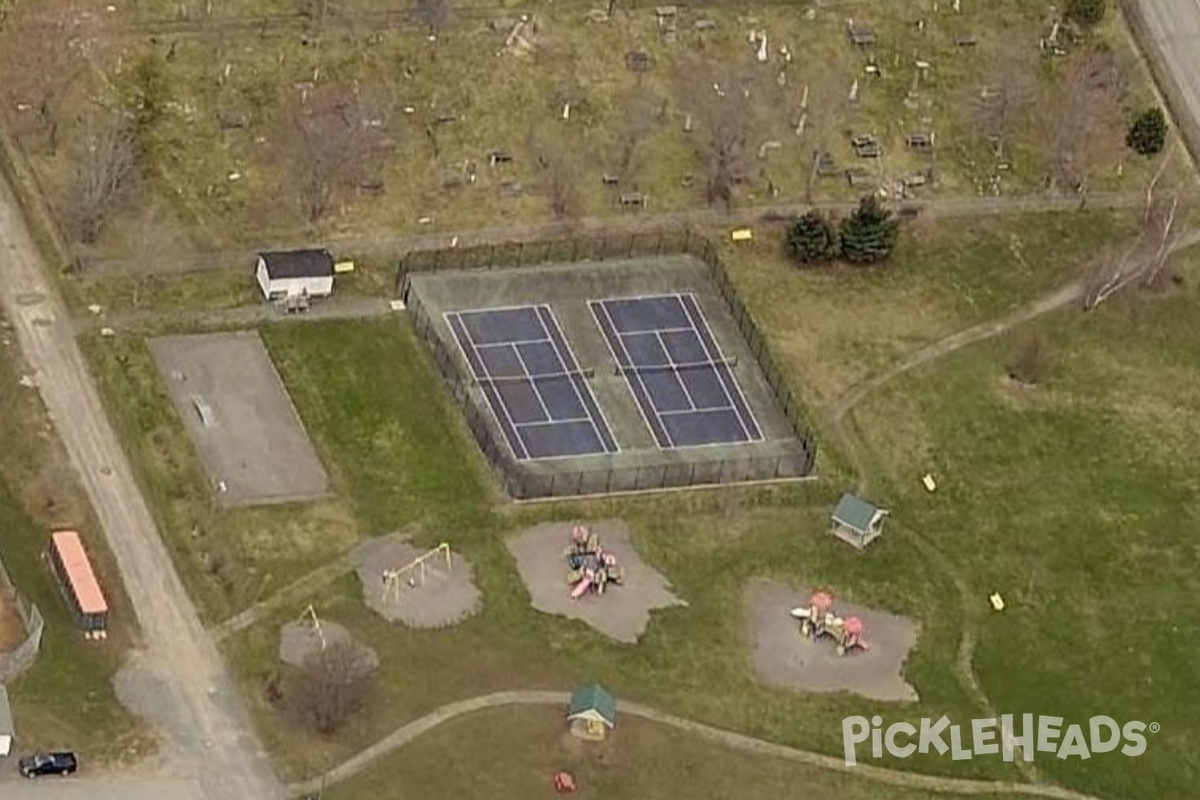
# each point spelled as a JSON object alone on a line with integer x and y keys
{"x": 592, "y": 713}
{"x": 857, "y": 521}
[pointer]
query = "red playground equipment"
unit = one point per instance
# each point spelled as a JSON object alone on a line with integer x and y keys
{"x": 564, "y": 783}
{"x": 590, "y": 567}
{"x": 818, "y": 620}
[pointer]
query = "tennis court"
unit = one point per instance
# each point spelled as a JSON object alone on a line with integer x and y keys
{"x": 534, "y": 386}
{"x": 675, "y": 370}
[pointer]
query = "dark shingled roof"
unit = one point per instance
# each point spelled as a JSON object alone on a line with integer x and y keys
{"x": 298, "y": 264}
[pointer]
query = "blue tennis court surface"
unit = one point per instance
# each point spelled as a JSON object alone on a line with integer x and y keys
{"x": 532, "y": 382}
{"x": 675, "y": 370}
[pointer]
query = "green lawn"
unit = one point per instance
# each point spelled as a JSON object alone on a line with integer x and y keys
{"x": 401, "y": 460}
{"x": 66, "y": 699}
{"x": 1077, "y": 501}
{"x": 515, "y": 752}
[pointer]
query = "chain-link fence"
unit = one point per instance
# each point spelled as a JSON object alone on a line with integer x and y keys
{"x": 523, "y": 483}
{"x": 21, "y": 657}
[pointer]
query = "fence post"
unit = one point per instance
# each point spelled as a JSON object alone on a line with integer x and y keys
{"x": 632, "y": 239}
{"x": 520, "y": 253}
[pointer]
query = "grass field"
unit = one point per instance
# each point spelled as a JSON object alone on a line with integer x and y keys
{"x": 1075, "y": 500}
{"x": 383, "y": 435}
{"x": 66, "y": 698}
{"x": 405, "y": 83}
{"x": 516, "y": 752}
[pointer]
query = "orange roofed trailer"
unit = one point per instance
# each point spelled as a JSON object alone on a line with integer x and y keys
{"x": 78, "y": 583}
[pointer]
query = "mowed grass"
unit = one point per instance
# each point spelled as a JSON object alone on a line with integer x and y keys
{"x": 692, "y": 662}
{"x": 401, "y": 460}
{"x": 833, "y": 326}
{"x": 66, "y": 698}
{"x": 232, "y": 558}
{"x": 515, "y": 752}
{"x": 1077, "y": 501}
{"x": 203, "y": 289}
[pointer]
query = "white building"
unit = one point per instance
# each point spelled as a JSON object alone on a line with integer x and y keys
{"x": 294, "y": 274}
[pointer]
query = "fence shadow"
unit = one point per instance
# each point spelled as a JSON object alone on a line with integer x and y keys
{"x": 20, "y": 658}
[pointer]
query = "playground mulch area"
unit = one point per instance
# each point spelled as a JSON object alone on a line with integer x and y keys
{"x": 622, "y": 612}
{"x": 299, "y": 641}
{"x": 782, "y": 657}
{"x": 445, "y": 597}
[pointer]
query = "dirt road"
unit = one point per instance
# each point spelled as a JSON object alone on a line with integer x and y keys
{"x": 179, "y": 675}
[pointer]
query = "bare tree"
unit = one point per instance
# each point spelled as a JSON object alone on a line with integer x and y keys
{"x": 332, "y": 686}
{"x": 434, "y": 14}
{"x": 45, "y": 49}
{"x": 1146, "y": 261}
{"x": 724, "y": 112}
{"x": 1084, "y": 119}
{"x": 103, "y": 171}
{"x": 1030, "y": 362}
{"x": 328, "y": 141}
{"x": 641, "y": 112}
{"x": 561, "y": 173}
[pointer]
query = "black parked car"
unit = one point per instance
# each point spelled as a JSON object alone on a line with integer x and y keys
{"x": 61, "y": 763}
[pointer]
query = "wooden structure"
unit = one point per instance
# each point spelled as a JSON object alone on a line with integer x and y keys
{"x": 860, "y": 35}
{"x": 592, "y": 714}
{"x": 78, "y": 583}
{"x": 856, "y": 521}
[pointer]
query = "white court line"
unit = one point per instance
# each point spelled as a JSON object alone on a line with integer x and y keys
{"x": 674, "y": 371}
{"x": 491, "y": 406}
{"x": 596, "y": 307}
{"x": 721, "y": 376}
{"x": 529, "y": 377}
{"x": 568, "y": 360}
{"x": 640, "y": 297}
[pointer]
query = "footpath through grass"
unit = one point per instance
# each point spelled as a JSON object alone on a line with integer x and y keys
{"x": 400, "y": 459}
{"x": 515, "y": 752}
{"x": 1077, "y": 501}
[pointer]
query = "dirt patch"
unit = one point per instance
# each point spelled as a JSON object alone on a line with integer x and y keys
{"x": 298, "y": 641}
{"x": 622, "y": 612}
{"x": 782, "y": 657}
{"x": 12, "y": 629}
{"x": 434, "y": 594}
{"x": 238, "y": 412}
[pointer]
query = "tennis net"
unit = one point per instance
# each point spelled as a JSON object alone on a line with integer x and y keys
{"x": 695, "y": 366}
{"x": 485, "y": 380}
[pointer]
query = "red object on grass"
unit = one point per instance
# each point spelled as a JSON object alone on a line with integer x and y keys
{"x": 564, "y": 783}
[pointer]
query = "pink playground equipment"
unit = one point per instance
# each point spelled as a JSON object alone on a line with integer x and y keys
{"x": 590, "y": 567}
{"x": 817, "y": 620}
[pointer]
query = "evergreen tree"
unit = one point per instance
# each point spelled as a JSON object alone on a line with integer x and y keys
{"x": 811, "y": 239}
{"x": 869, "y": 234}
{"x": 1148, "y": 132}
